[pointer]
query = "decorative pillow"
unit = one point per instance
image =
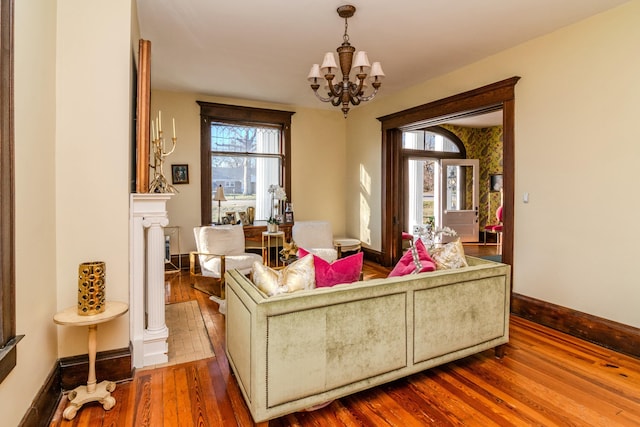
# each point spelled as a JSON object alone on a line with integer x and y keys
{"x": 414, "y": 261}
{"x": 343, "y": 270}
{"x": 296, "y": 276}
{"x": 449, "y": 256}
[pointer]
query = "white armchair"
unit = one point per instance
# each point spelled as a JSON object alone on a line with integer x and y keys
{"x": 315, "y": 237}
{"x": 220, "y": 248}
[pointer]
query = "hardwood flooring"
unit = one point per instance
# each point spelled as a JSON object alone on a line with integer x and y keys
{"x": 545, "y": 379}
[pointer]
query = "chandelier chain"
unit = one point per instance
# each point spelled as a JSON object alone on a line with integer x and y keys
{"x": 345, "y": 38}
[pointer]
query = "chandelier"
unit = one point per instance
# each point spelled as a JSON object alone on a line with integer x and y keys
{"x": 346, "y": 91}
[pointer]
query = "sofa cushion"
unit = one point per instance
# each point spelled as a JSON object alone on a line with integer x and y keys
{"x": 415, "y": 260}
{"x": 449, "y": 256}
{"x": 296, "y": 276}
{"x": 343, "y": 270}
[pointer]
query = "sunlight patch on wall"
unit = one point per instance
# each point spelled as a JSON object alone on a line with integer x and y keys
{"x": 365, "y": 208}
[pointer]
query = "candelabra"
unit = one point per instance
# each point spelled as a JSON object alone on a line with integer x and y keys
{"x": 160, "y": 183}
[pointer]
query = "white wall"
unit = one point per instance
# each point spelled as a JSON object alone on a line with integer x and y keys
{"x": 318, "y": 160}
{"x": 576, "y": 151}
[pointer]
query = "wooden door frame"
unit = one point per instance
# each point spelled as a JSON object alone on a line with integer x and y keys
{"x": 499, "y": 95}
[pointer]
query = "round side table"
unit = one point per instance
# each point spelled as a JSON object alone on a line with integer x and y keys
{"x": 270, "y": 240}
{"x": 91, "y": 392}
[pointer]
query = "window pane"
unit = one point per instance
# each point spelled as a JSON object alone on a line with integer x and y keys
{"x": 245, "y": 139}
{"x": 245, "y": 180}
{"x": 428, "y": 141}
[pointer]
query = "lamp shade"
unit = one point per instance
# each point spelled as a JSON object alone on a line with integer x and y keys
{"x": 219, "y": 196}
{"x": 314, "y": 73}
{"x": 329, "y": 62}
{"x": 376, "y": 71}
{"x": 361, "y": 60}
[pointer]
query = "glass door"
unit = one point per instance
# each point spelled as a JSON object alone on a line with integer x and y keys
{"x": 460, "y": 198}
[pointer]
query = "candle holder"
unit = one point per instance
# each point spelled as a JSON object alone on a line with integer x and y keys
{"x": 160, "y": 184}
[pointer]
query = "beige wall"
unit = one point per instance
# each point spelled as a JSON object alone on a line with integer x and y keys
{"x": 72, "y": 134}
{"x": 576, "y": 110}
{"x": 318, "y": 160}
{"x": 35, "y": 215}
{"x": 576, "y": 153}
{"x": 93, "y": 135}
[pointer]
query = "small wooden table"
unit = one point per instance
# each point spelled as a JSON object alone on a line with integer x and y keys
{"x": 91, "y": 392}
{"x": 269, "y": 241}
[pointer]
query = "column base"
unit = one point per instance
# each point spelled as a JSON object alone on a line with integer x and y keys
{"x": 156, "y": 347}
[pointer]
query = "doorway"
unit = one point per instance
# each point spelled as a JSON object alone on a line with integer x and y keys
{"x": 493, "y": 97}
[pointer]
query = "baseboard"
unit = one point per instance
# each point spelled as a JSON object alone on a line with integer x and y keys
{"x": 373, "y": 256}
{"x": 45, "y": 403}
{"x": 613, "y": 335}
{"x": 112, "y": 365}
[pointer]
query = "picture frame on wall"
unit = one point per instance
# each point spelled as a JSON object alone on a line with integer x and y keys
{"x": 495, "y": 183}
{"x": 180, "y": 174}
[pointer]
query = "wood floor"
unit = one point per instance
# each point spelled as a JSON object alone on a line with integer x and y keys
{"x": 545, "y": 379}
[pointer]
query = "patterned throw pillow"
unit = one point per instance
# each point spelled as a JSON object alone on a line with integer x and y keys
{"x": 416, "y": 260}
{"x": 449, "y": 256}
{"x": 296, "y": 276}
{"x": 343, "y": 270}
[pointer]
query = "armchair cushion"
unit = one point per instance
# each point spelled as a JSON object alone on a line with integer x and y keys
{"x": 243, "y": 263}
{"x": 212, "y": 242}
{"x": 222, "y": 240}
{"x": 316, "y": 237}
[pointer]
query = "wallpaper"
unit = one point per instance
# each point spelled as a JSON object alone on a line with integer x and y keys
{"x": 484, "y": 144}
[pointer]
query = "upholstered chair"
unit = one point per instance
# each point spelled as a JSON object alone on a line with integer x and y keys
{"x": 315, "y": 237}
{"x": 220, "y": 248}
{"x": 495, "y": 228}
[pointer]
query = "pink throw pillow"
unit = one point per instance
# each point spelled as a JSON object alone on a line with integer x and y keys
{"x": 415, "y": 260}
{"x": 343, "y": 270}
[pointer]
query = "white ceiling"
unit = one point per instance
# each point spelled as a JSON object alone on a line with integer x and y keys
{"x": 263, "y": 49}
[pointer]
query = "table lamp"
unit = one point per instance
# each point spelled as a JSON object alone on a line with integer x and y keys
{"x": 219, "y": 197}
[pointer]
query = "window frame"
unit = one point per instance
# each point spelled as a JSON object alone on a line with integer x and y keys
{"x": 234, "y": 114}
{"x": 8, "y": 338}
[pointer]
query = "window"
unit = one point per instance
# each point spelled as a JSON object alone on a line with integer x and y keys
{"x": 244, "y": 150}
{"x": 423, "y": 149}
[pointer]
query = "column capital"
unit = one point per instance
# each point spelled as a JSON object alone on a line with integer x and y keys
{"x": 158, "y": 220}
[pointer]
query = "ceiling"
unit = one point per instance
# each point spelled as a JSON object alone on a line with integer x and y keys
{"x": 263, "y": 50}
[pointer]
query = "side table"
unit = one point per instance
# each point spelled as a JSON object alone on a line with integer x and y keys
{"x": 346, "y": 244}
{"x": 270, "y": 240}
{"x": 91, "y": 392}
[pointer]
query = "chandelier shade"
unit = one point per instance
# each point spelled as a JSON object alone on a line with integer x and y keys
{"x": 348, "y": 91}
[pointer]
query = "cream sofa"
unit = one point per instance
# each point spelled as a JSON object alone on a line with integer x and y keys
{"x": 294, "y": 351}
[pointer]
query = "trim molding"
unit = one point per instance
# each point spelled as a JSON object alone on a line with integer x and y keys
{"x": 46, "y": 401}
{"x": 371, "y": 255}
{"x": 607, "y": 333}
{"x": 114, "y": 365}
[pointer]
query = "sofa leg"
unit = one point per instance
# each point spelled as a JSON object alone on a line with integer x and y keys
{"x": 262, "y": 424}
{"x": 499, "y": 351}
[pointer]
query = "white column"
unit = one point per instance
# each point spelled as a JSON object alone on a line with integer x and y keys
{"x": 149, "y": 333}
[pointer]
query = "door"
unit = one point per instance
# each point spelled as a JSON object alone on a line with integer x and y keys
{"x": 459, "y": 180}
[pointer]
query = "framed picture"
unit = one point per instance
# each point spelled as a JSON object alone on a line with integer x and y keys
{"x": 495, "y": 182}
{"x": 180, "y": 174}
{"x": 288, "y": 217}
